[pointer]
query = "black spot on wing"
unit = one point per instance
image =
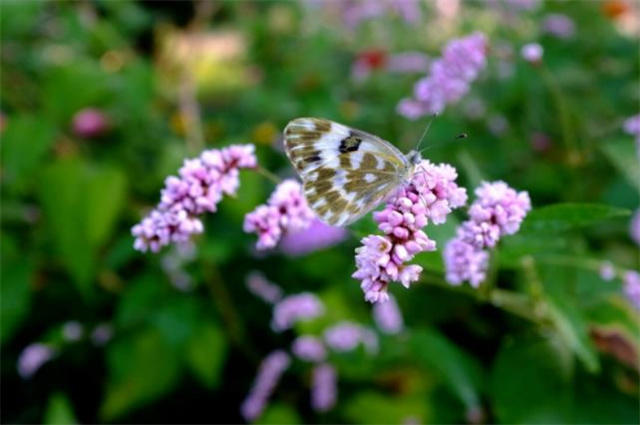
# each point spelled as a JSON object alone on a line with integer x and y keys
{"x": 350, "y": 143}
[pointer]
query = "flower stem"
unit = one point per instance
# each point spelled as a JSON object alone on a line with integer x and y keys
{"x": 224, "y": 304}
{"x": 268, "y": 174}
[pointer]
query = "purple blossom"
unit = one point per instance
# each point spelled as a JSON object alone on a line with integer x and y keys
{"x": 632, "y": 126}
{"x": 295, "y": 308}
{"x": 607, "y": 271}
{"x": 532, "y": 52}
{"x": 388, "y": 316}
{"x": 355, "y": 12}
{"x": 368, "y": 61}
{"x": 102, "y": 334}
{"x": 407, "y": 62}
{"x": 269, "y": 373}
{"x": 200, "y": 186}
{"x": 315, "y": 237}
{"x": 309, "y": 348}
{"x": 72, "y": 331}
{"x": 346, "y": 336}
{"x": 324, "y": 389}
{"x": 262, "y": 288}
{"x": 497, "y": 211}
{"x": 449, "y": 78}
{"x": 497, "y": 125}
{"x": 464, "y": 262}
{"x": 430, "y": 196}
{"x": 634, "y": 229}
{"x": 559, "y": 25}
{"x": 33, "y": 357}
{"x": 89, "y": 122}
{"x": 286, "y": 211}
{"x": 631, "y": 280}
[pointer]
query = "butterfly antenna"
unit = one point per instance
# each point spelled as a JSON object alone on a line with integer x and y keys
{"x": 458, "y": 137}
{"x": 424, "y": 133}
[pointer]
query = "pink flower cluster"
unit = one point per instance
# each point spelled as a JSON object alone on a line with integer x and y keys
{"x": 497, "y": 211}
{"x": 449, "y": 78}
{"x": 324, "y": 388}
{"x": 559, "y": 25}
{"x": 269, "y": 373}
{"x": 315, "y": 237}
{"x": 346, "y": 336}
{"x": 199, "y": 187}
{"x": 632, "y": 126}
{"x": 631, "y": 280}
{"x": 33, "y": 357}
{"x": 388, "y": 316}
{"x": 430, "y": 196}
{"x": 295, "y": 308}
{"x": 309, "y": 348}
{"x": 262, "y": 288}
{"x": 286, "y": 211}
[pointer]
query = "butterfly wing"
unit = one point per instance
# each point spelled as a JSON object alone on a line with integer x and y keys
{"x": 345, "y": 172}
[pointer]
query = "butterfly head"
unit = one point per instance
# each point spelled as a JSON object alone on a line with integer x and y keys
{"x": 414, "y": 157}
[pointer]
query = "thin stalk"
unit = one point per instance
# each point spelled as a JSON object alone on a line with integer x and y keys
{"x": 226, "y": 307}
{"x": 268, "y": 174}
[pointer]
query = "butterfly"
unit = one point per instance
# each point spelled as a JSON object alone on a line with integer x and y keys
{"x": 345, "y": 172}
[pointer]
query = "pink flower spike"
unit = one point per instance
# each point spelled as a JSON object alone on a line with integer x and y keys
{"x": 429, "y": 197}
{"x": 449, "y": 77}
{"x": 286, "y": 212}
{"x": 498, "y": 210}
{"x": 198, "y": 188}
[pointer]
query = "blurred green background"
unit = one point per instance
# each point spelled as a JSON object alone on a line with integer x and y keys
{"x": 101, "y": 100}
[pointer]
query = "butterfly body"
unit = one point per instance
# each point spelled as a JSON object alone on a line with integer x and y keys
{"x": 345, "y": 172}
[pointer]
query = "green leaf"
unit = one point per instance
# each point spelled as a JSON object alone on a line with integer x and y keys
{"x": 622, "y": 153}
{"x": 279, "y": 413}
{"x": 61, "y": 194}
{"x": 374, "y": 408}
{"x": 59, "y": 410}
{"x": 460, "y": 372}
{"x": 530, "y": 382}
{"x": 564, "y": 312}
{"x": 105, "y": 194}
{"x": 142, "y": 368}
{"x": 562, "y": 217}
{"x": 16, "y": 296}
{"x": 25, "y": 142}
{"x": 81, "y": 205}
{"x": 206, "y": 353}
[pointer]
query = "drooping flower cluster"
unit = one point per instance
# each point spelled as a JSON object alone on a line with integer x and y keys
{"x": 33, "y": 357}
{"x": 632, "y": 126}
{"x": 388, "y": 316}
{"x": 532, "y": 53}
{"x": 262, "y": 288}
{"x": 449, "y": 78}
{"x": 355, "y": 12}
{"x": 199, "y": 187}
{"x": 631, "y": 280}
{"x": 324, "y": 389}
{"x": 559, "y": 25}
{"x": 295, "y": 308}
{"x": 346, "y": 336}
{"x": 309, "y": 348}
{"x": 89, "y": 122}
{"x": 340, "y": 338}
{"x": 269, "y": 373}
{"x": 315, "y": 237}
{"x": 634, "y": 227}
{"x": 497, "y": 211}
{"x": 430, "y": 196}
{"x": 286, "y": 211}
{"x": 370, "y": 60}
